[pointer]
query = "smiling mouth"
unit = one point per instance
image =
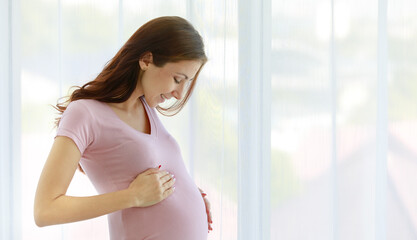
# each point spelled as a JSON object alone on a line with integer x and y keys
{"x": 163, "y": 98}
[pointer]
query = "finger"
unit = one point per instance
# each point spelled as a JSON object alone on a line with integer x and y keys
{"x": 166, "y": 178}
{"x": 169, "y": 183}
{"x": 163, "y": 174}
{"x": 168, "y": 192}
{"x": 160, "y": 173}
{"x": 209, "y": 217}
{"x": 208, "y": 205}
{"x": 152, "y": 171}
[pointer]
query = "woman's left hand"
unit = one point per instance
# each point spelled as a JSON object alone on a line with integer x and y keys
{"x": 207, "y": 203}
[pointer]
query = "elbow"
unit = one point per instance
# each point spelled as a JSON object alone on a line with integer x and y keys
{"x": 41, "y": 217}
{"x": 38, "y": 221}
{"x": 45, "y": 214}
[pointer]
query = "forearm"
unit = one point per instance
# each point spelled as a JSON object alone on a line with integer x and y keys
{"x": 66, "y": 209}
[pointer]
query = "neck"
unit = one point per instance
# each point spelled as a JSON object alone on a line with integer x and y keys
{"x": 132, "y": 103}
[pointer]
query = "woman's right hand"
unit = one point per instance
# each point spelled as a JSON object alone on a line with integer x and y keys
{"x": 151, "y": 187}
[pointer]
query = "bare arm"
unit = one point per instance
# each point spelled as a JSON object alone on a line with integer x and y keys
{"x": 52, "y": 206}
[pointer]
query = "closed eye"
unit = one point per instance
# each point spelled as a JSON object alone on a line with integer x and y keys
{"x": 176, "y": 81}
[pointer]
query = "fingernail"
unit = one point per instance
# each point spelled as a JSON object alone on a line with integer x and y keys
{"x": 204, "y": 194}
{"x": 159, "y": 166}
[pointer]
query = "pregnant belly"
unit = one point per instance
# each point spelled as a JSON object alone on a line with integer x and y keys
{"x": 180, "y": 216}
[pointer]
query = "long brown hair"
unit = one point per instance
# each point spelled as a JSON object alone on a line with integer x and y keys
{"x": 169, "y": 39}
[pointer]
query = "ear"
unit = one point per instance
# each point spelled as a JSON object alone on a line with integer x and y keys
{"x": 145, "y": 60}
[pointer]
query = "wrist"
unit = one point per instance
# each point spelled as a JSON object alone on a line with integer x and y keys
{"x": 131, "y": 199}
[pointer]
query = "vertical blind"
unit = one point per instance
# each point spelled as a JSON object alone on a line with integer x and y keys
{"x": 302, "y": 125}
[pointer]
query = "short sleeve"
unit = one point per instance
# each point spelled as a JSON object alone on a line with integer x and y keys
{"x": 76, "y": 123}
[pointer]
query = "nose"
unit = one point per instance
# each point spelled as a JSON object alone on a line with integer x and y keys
{"x": 178, "y": 93}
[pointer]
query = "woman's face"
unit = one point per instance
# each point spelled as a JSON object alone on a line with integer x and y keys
{"x": 171, "y": 80}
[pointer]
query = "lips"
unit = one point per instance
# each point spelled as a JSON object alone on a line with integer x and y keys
{"x": 163, "y": 98}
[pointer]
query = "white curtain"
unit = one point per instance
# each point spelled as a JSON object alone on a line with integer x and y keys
{"x": 10, "y": 187}
{"x": 302, "y": 126}
{"x": 344, "y": 120}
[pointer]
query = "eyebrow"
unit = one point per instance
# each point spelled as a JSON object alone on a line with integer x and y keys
{"x": 186, "y": 77}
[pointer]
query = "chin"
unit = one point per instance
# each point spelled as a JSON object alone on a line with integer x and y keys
{"x": 152, "y": 104}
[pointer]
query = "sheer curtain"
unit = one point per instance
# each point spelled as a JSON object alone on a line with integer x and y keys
{"x": 302, "y": 125}
{"x": 343, "y": 120}
{"x": 9, "y": 121}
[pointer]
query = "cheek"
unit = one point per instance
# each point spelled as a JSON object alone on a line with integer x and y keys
{"x": 160, "y": 86}
{"x": 159, "y": 83}
{"x": 166, "y": 84}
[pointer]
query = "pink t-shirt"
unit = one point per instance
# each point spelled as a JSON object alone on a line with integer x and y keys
{"x": 113, "y": 154}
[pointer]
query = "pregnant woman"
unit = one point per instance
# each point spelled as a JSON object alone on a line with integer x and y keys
{"x": 109, "y": 128}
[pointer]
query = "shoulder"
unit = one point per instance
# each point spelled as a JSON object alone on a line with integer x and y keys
{"x": 89, "y": 106}
{"x": 78, "y": 122}
{"x": 83, "y": 103}
{"x": 82, "y": 110}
